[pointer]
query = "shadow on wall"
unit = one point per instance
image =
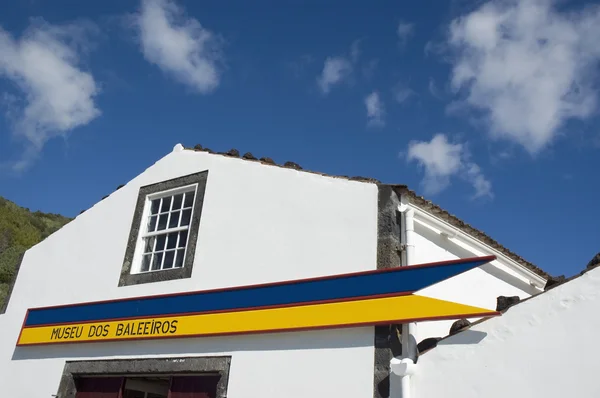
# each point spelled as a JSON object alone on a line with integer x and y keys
{"x": 464, "y": 337}
{"x": 308, "y": 340}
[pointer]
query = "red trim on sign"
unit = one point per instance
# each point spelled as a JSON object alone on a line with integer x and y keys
{"x": 484, "y": 259}
{"x": 267, "y": 307}
{"x": 359, "y": 324}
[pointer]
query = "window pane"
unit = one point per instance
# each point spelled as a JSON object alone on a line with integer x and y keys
{"x": 172, "y": 241}
{"x": 155, "y": 206}
{"x": 160, "y": 242}
{"x": 166, "y": 204}
{"x": 162, "y": 221}
{"x": 140, "y": 387}
{"x": 179, "y": 259}
{"x": 146, "y": 262}
{"x": 189, "y": 199}
{"x": 185, "y": 217}
{"x": 174, "y": 220}
{"x": 177, "y": 200}
{"x": 149, "y": 244}
{"x": 169, "y": 256}
{"x": 133, "y": 394}
{"x": 182, "y": 238}
{"x": 156, "y": 261}
{"x": 152, "y": 224}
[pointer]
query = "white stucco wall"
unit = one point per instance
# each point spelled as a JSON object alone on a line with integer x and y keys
{"x": 543, "y": 347}
{"x": 259, "y": 224}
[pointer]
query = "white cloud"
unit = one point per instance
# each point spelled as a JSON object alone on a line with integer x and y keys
{"x": 338, "y": 69}
{"x": 402, "y": 93}
{"x": 335, "y": 71}
{"x": 404, "y": 31}
{"x": 375, "y": 110}
{"x": 482, "y": 186}
{"x": 442, "y": 160}
{"x": 528, "y": 67}
{"x": 179, "y": 45}
{"x": 55, "y": 94}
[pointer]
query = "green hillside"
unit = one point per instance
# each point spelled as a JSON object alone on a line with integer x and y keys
{"x": 19, "y": 230}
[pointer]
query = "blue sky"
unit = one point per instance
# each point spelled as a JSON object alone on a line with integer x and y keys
{"x": 487, "y": 108}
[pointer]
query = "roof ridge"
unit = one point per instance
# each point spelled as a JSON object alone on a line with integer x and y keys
{"x": 248, "y": 156}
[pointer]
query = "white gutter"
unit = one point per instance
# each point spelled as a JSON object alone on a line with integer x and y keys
{"x": 458, "y": 236}
{"x": 405, "y": 367}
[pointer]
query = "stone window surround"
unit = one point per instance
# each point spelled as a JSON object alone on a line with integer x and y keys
{"x": 126, "y": 277}
{"x": 146, "y": 366}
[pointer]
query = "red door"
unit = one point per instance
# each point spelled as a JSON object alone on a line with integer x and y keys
{"x": 99, "y": 387}
{"x": 180, "y": 387}
{"x": 193, "y": 387}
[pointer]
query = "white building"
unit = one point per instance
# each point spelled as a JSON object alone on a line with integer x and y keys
{"x": 541, "y": 347}
{"x": 250, "y": 222}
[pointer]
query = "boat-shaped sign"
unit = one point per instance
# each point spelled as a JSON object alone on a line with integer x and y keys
{"x": 348, "y": 300}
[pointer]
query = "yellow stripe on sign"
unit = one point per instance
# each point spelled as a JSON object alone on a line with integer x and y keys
{"x": 361, "y": 312}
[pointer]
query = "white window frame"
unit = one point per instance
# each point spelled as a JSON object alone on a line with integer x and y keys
{"x": 139, "y": 247}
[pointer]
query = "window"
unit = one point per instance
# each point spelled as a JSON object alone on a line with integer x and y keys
{"x": 164, "y": 231}
{"x": 146, "y": 387}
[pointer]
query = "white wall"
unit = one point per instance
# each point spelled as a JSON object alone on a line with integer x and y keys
{"x": 259, "y": 224}
{"x": 317, "y": 363}
{"x": 543, "y": 347}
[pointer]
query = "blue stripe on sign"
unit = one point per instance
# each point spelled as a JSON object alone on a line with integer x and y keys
{"x": 400, "y": 280}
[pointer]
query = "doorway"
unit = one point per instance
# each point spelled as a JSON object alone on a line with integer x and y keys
{"x": 170, "y": 377}
{"x": 149, "y": 386}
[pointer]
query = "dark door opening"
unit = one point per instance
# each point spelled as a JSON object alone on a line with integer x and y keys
{"x": 177, "y": 386}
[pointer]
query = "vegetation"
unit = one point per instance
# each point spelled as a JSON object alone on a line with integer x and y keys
{"x": 20, "y": 229}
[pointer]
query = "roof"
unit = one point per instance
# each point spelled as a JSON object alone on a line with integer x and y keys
{"x": 456, "y": 222}
{"x": 415, "y": 199}
{"x": 234, "y": 153}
